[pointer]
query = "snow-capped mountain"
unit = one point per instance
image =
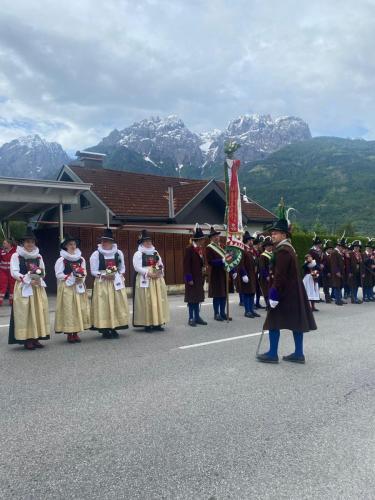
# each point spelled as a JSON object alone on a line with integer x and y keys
{"x": 259, "y": 136}
{"x": 163, "y": 146}
{"x": 31, "y": 157}
{"x": 167, "y": 145}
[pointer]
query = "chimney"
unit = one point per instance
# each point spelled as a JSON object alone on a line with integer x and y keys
{"x": 170, "y": 203}
{"x": 90, "y": 159}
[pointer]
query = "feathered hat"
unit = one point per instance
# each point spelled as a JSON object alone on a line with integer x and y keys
{"x": 144, "y": 236}
{"x": 283, "y": 223}
{"x": 342, "y": 242}
{"x": 316, "y": 240}
{"x": 356, "y": 243}
{"x": 197, "y": 233}
{"x": 328, "y": 244}
{"x": 213, "y": 232}
{"x": 267, "y": 241}
{"x": 247, "y": 237}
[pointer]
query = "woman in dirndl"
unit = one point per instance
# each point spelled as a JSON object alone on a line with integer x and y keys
{"x": 109, "y": 305}
{"x": 72, "y": 304}
{"x": 310, "y": 280}
{"x": 150, "y": 303}
{"x": 29, "y": 322}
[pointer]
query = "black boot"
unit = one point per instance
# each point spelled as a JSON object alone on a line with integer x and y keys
{"x": 293, "y": 358}
{"x": 266, "y": 358}
{"x": 200, "y": 321}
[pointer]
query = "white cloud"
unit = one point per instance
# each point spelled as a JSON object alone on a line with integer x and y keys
{"x": 75, "y": 70}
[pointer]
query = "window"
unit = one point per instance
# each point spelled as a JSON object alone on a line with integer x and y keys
{"x": 84, "y": 202}
{"x": 67, "y": 208}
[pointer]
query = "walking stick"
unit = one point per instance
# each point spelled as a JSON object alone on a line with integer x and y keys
{"x": 259, "y": 343}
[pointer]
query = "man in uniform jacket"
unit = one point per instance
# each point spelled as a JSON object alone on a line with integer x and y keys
{"x": 194, "y": 275}
{"x": 368, "y": 271}
{"x": 217, "y": 276}
{"x": 327, "y": 274}
{"x": 264, "y": 264}
{"x": 338, "y": 271}
{"x": 356, "y": 271}
{"x": 246, "y": 278}
{"x": 289, "y": 306}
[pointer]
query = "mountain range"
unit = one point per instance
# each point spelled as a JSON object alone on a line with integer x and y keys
{"x": 329, "y": 180}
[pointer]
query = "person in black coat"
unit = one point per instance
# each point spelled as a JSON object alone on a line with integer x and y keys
{"x": 194, "y": 276}
{"x": 217, "y": 276}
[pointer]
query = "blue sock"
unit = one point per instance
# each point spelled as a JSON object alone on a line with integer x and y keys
{"x": 216, "y": 304}
{"x": 191, "y": 311}
{"x": 298, "y": 341}
{"x": 274, "y": 342}
{"x": 196, "y": 311}
{"x": 223, "y": 303}
{"x": 251, "y": 302}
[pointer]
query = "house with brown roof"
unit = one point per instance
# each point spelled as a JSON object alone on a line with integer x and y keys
{"x": 125, "y": 199}
{"x": 168, "y": 207}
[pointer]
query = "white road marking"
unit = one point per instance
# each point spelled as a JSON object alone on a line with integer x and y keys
{"x": 221, "y": 340}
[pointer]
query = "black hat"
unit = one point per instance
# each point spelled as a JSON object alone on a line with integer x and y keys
{"x": 370, "y": 243}
{"x": 247, "y": 236}
{"x": 267, "y": 241}
{"x": 28, "y": 235}
{"x": 66, "y": 240}
{"x": 316, "y": 240}
{"x": 328, "y": 244}
{"x": 356, "y": 243}
{"x": 107, "y": 235}
{"x": 198, "y": 233}
{"x": 144, "y": 236}
{"x": 213, "y": 232}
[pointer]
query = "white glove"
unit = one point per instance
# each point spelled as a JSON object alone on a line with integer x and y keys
{"x": 234, "y": 276}
{"x": 245, "y": 279}
{"x": 273, "y": 303}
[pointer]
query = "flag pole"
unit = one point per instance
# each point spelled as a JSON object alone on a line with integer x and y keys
{"x": 229, "y": 149}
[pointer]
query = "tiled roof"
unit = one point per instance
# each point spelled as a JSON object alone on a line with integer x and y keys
{"x": 146, "y": 195}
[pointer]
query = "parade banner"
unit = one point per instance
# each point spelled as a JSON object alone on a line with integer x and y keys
{"x": 234, "y": 244}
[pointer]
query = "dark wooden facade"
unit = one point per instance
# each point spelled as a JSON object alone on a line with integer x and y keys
{"x": 170, "y": 246}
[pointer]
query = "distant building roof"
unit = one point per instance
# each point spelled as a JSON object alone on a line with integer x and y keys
{"x": 146, "y": 195}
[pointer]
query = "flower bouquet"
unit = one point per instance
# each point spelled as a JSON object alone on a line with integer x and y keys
{"x": 315, "y": 275}
{"x": 36, "y": 272}
{"x": 78, "y": 271}
{"x": 110, "y": 272}
{"x": 157, "y": 271}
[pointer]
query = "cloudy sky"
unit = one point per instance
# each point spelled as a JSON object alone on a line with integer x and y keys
{"x": 74, "y": 70}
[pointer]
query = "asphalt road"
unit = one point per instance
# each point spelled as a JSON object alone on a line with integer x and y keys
{"x": 141, "y": 418}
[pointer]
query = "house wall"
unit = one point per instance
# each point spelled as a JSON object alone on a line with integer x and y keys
{"x": 96, "y": 213}
{"x": 170, "y": 246}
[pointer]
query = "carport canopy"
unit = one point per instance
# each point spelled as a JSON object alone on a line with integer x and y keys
{"x": 22, "y": 199}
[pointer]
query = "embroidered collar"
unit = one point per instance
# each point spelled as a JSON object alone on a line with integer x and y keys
{"x": 72, "y": 257}
{"x": 28, "y": 255}
{"x": 147, "y": 251}
{"x": 109, "y": 254}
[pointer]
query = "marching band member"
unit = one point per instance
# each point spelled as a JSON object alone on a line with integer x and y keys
{"x": 194, "y": 275}
{"x": 289, "y": 306}
{"x": 246, "y": 278}
{"x": 217, "y": 276}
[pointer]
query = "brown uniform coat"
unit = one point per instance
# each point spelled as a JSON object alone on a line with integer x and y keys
{"x": 337, "y": 266}
{"x": 217, "y": 277}
{"x": 246, "y": 267}
{"x": 193, "y": 271}
{"x": 293, "y": 311}
{"x": 264, "y": 273}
